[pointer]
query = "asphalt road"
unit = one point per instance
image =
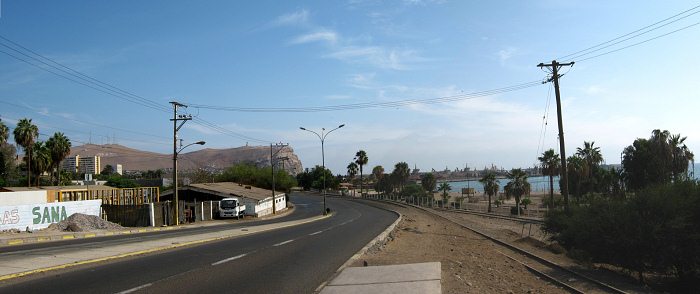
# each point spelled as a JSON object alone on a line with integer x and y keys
{"x": 305, "y": 207}
{"x": 290, "y": 260}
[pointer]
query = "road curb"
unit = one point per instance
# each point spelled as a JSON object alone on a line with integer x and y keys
{"x": 380, "y": 238}
{"x": 93, "y": 234}
{"x": 156, "y": 249}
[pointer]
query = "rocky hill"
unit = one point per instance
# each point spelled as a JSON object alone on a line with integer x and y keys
{"x": 214, "y": 159}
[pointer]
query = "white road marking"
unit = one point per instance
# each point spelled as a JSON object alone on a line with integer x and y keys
{"x": 282, "y": 243}
{"x": 135, "y": 289}
{"x": 228, "y": 259}
{"x": 315, "y": 233}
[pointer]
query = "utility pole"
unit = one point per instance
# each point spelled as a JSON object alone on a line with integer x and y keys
{"x": 273, "y": 162}
{"x": 182, "y": 119}
{"x": 564, "y": 177}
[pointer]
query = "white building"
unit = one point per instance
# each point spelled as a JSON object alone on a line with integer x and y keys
{"x": 257, "y": 201}
{"x": 119, "y": 169}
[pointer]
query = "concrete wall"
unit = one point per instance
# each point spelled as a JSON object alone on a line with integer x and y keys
{"x": 264, "y": 208}
{"x": 22, "y": 198}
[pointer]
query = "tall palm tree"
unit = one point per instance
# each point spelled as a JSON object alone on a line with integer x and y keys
{"x": 41, "y": 161}
{"x": 444, "y": 188}
{"x": 400, "y": 174}
{"x": 681, "y": 155}
{"x": 576, "y": 169}
{"x": 352, "y": 172}
{"x": 59, "y": 146}
{"x": 550, "y": 166}
{"x": 25, "y": 135}
{"x": 361, "y": 159}
{"x": 518, "y": 185}
{"x": 4, "y": 132}
{"x": 377, "y": 172}
{"x": 591, "y": 155}
{"x": 490, "y": 185}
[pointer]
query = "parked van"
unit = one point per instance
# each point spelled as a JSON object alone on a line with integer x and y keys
{"x": 231, "y": 207}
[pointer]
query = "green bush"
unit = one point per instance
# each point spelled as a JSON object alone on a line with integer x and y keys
{"x": 654, "y": 231}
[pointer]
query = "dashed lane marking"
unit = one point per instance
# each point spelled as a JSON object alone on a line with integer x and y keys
{"x": 316, "y": 233}
{"x": 135, "y": 289}
{"x": 228, "y": 259}
{"x": 282, "y": 243}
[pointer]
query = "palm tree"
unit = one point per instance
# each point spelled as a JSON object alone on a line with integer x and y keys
{"x": 25, "y": 135}
{"x": 550, "y": 166}
{"x": 490, "y": 185}
{"x": 680, "y": 157}
{"x": 352, "y": 172}
{"x": 377, "y": 172}
{"x": 400, "y": 174}
{"x": 576, "y": 168}
{"x": 4, "y": 132}
{"x": 591, "y": 155}
{"x": 361, "y": 159}
{"x": 444, "y": 188}
{"x": 518, "y": 185}
{"x": 41, "y": 161}
{"x": 59, "y": 146}
{"x": 428, "y": 182}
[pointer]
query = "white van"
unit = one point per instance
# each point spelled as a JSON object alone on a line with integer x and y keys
{"x": 231, "y": 207}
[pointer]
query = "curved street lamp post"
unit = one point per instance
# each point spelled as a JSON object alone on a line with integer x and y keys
{"x": 322, "y": 137}
{"x": 177, "y": 203}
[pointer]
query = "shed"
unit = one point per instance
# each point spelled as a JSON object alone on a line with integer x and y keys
{"x": 258, "y": 201}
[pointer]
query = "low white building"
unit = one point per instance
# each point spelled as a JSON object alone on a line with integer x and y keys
{"x": 258, "y": 202}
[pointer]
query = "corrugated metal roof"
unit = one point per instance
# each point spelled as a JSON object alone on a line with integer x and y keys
{"x": 235, "y": 189}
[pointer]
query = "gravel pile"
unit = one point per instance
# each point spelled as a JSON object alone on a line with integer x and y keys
{"x": 79, "y": 222}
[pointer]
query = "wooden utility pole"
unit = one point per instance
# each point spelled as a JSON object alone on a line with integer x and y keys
{"x": 273, "y": 162}
{"x": 564, "y": 183}
{"x": 182, "y": 119}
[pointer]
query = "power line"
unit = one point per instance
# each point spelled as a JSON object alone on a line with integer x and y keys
{"x": 634, "y": 34}
{"x": 642, "y": 42}
{"x": 89, "y": 123}
{"x": 365, "y": 105}
{"x": 636, "y": 31}
{"x": 75, "y": 76}
{"x": 123, "y": 94}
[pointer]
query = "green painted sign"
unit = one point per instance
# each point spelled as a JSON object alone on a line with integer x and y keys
{"x": 50, "y": 214}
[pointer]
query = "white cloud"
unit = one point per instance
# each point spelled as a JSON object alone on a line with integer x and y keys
{"x": 397, "y": 59}
{"x": 505, "y": 54}
{"x": 293, "y": 18}
{"x": 319, "y": 36}
{"x": 361, "y": 81}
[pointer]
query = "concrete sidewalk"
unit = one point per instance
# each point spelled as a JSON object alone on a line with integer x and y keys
{"x": 17, "y": 264}
{"x": 419, "y": 278}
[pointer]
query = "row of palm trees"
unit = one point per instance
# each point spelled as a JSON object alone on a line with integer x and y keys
{"x": 39, "y": 156}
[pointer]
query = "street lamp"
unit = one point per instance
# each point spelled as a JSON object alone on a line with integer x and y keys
{"x": 322, "y": 136}
{"x": 177, "y": 203}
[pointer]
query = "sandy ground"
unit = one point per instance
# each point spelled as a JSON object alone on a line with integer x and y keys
{"x": 473, "y": 264}
{"x": 470, "y": 263}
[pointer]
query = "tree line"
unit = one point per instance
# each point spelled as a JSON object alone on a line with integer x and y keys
{"x": 39, "y": 156}
{"x": 643, "y": 217}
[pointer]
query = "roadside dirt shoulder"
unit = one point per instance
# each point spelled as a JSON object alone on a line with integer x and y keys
{"x": 470, "y": 263}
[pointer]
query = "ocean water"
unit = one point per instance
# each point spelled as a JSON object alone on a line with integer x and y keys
{"x": 538, "y": 184}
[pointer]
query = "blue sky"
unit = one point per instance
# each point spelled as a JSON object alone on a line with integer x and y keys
{"x": 302, "y": 54}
